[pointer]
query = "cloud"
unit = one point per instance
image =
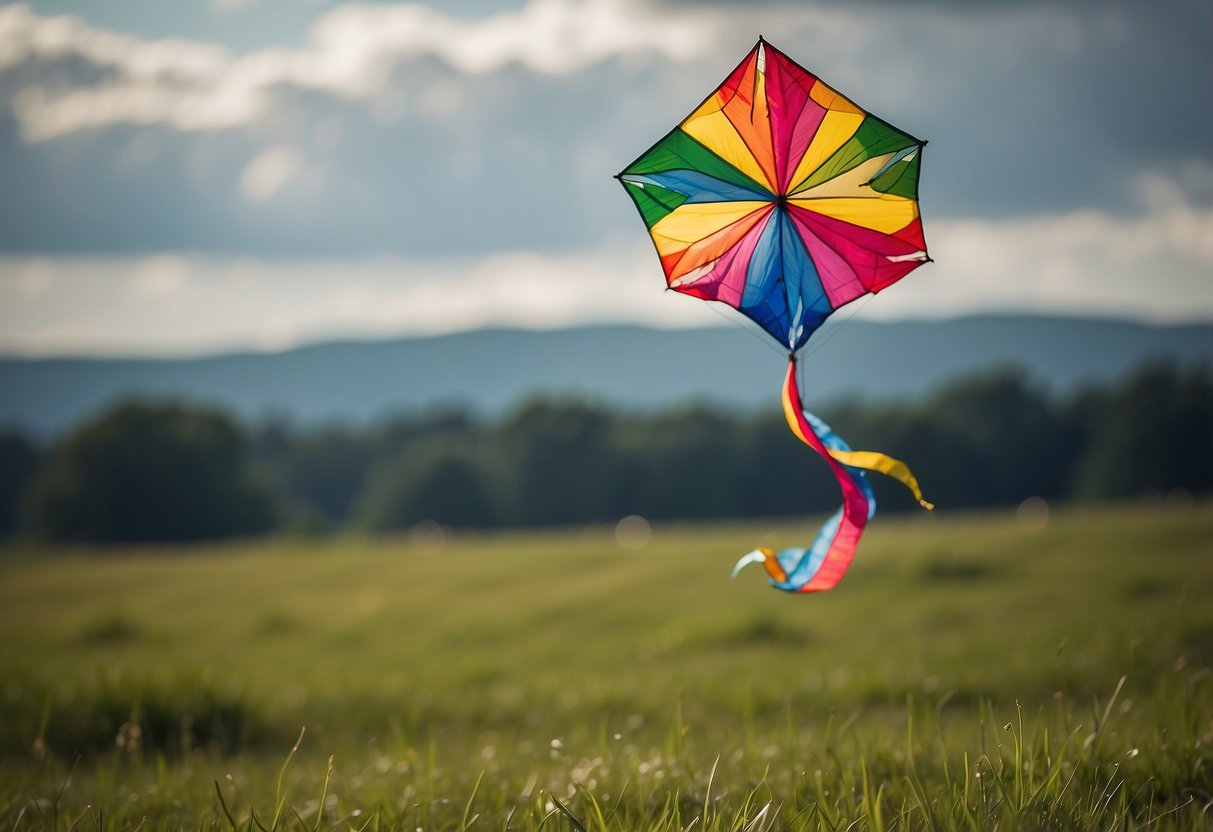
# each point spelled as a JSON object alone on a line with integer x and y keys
{"x": 1086, "y": 262}
{"x": 182, "y": 303}
{"x": 76, "y": 77}
{"x": 350, "y": 53}
{"x": 270, "y": 171}
{"x": 225, "y": 6}
{"x": 401, "y": 128}
{"x": 158, "y": 276}
{"x": 33, "y": 278}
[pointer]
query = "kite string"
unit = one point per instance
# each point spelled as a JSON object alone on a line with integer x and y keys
{"x": 835, "y": 324}
{"x": 832, "y": 328}
{"x": 743, "y": 324}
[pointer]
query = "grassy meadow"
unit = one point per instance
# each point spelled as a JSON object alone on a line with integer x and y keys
{"x": 971, "y": 672}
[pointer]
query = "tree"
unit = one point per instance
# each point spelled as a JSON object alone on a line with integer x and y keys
{"x": 321, "y": 471}
{"x": 561, "y": 462}
{"x": 686, "y": 463}
{"x": 19, "y": 459}
{"x": 781, "y": 476}
{"x": 149, "y": 472}
{"x": 438, "y": 479}
{"x": 1153, "y": 433}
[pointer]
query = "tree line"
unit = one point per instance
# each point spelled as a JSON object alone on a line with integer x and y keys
{"x": 169, "y": 471}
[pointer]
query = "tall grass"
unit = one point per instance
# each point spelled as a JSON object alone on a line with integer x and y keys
{"x": 970, "y": 673}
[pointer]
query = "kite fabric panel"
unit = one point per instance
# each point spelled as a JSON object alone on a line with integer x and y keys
{"x": 780, "y": 197}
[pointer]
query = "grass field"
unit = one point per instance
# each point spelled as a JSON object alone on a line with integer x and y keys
{"x": 970, "y": 672}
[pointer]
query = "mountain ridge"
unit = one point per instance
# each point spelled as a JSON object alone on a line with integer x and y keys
{"x": 490, "y": 370}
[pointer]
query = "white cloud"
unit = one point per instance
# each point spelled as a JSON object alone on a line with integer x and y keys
{"x": 401, "y": 128}
{"x": 1153, "y": 267}
{"x": 172, "y": 81}
{"x": 186, "y": 303}
{"x": 550, "y": 36}
{"x": 35, "y": 278}
{"x": 159, "y": 275}
{"x": 402, "y": 110}
{"x": 350, "y": 53}
{"x": 229, "y": 5}
{"x": 270, "y": 171}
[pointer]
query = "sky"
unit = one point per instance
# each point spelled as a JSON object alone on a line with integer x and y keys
{"x": 195, "y": 177}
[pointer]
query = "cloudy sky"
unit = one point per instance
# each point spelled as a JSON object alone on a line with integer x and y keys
{"x": 190, "y": 177}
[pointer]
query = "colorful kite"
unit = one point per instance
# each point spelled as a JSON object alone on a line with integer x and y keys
{"x": 781, "y": 198}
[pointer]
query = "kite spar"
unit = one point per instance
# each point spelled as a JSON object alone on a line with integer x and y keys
{"x": 781, "y": 198}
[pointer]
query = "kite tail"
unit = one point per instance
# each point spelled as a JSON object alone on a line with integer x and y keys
{"x": 857, "y": 501}
{"x": 822, "y": 565}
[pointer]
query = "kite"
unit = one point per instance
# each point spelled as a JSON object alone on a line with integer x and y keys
{"x": 781, "y": 198}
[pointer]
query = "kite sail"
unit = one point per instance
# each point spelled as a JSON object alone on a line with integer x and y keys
{"x": 781, "y": 198}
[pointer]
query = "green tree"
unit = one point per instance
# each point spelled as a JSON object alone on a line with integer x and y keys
{"x": 322, "y": 471}
{"x": 1153, "y": 433}
{"x": 778, "y": 475}
{"x": 685, "y": 463}
{"x": 149, "y": 472}
{"x": 19, "y": 460}
{"x": 988, "y": 439}
{"x": 562, "y": 462}
{"x": 440, "y": 479}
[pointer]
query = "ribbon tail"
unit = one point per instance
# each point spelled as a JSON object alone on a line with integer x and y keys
{"x": 756, "y": 556}
{"x": 881, "y": 463}
{"x": 822, "y": 565}
{"x": 857, "y": 502}
{"x": 769, "y": 561}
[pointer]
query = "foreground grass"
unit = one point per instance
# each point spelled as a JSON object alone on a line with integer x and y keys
{"x": 969, "y": 673}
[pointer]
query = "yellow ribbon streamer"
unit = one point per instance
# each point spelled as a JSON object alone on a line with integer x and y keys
{"x": 895, "y": 468}
{"x": 868, "y": 460}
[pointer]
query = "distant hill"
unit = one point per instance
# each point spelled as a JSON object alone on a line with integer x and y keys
{"x": 490, "y": 370}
